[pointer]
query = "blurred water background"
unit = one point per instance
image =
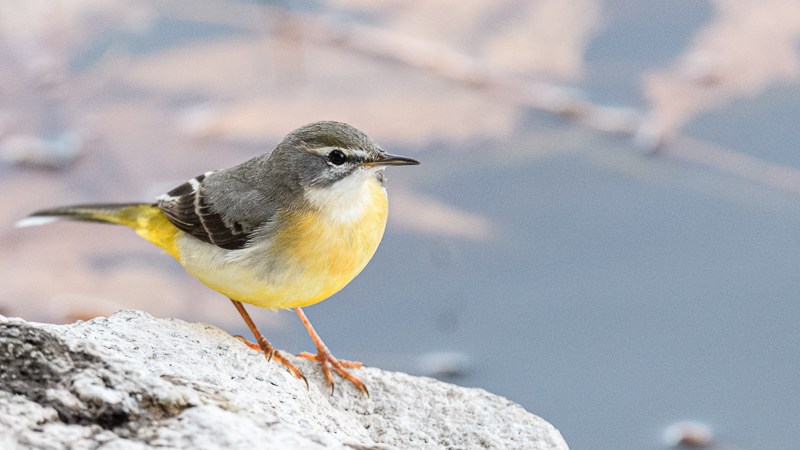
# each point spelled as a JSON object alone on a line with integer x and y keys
{"x": 604, "y": 228}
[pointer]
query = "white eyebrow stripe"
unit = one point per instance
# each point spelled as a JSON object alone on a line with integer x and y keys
{"x": 362, "y": 154}
{"x": 323, "y": 150}
{"x": 357, "y": 152}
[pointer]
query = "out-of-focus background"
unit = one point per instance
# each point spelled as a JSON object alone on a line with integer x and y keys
{"x": 604, "y": 228}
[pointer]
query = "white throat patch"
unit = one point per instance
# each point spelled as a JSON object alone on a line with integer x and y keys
{"x": 345, "y": 200}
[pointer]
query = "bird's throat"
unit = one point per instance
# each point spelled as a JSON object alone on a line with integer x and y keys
{"x": 347, "y": 200}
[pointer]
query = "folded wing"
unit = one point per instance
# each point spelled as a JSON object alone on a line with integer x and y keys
{"x": 187, "y": 207}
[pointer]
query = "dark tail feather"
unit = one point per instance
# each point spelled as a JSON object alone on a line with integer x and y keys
{"x": 115, "y": 213}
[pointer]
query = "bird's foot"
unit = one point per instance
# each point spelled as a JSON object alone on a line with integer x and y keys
{"x": 328, "y": 361}
{"x": 270, "y": 353}
{"x": 247, "y": 343}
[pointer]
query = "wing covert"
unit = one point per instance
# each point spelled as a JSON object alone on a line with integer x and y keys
{"x": 187, "y": 208}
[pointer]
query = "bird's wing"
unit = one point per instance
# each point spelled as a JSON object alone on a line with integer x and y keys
{"x": 188, "y": 208}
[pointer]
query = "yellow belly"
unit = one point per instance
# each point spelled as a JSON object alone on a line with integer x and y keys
{"x": 312, "y": 257}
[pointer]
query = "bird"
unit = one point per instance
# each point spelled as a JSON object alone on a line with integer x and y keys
{"x": 284, "y": 230}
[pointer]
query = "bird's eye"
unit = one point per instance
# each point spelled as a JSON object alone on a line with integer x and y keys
{"x": 337, "y": 157}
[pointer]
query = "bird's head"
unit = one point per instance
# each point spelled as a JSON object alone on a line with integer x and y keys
{"x": 321, "y": 154}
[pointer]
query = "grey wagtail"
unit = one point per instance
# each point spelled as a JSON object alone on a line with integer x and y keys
{"x": 285, "y": 229}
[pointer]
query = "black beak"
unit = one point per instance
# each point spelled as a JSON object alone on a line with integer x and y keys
{"x": 395, "y": 160}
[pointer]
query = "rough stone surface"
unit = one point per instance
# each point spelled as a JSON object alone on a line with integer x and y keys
{"x": 134, "y": 382}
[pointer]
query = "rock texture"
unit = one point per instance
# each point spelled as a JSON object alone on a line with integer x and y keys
{"x": 135, "y": 382}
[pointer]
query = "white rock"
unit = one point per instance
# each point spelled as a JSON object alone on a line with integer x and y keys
{"x": 134, "y": 382}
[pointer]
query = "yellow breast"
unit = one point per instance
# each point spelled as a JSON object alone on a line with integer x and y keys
{"x": 329, "y": 253}
{"x": 314, "y": 254}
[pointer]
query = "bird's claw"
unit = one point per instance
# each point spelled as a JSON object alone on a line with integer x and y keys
{"x": 328, "y": 361}
{"x": 271, "y": 353}
{"x": 248, "y": 343}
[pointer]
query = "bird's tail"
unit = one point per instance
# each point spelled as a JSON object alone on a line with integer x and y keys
{"x": 146, "y": 218}
{"x": 128, "y": 214}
